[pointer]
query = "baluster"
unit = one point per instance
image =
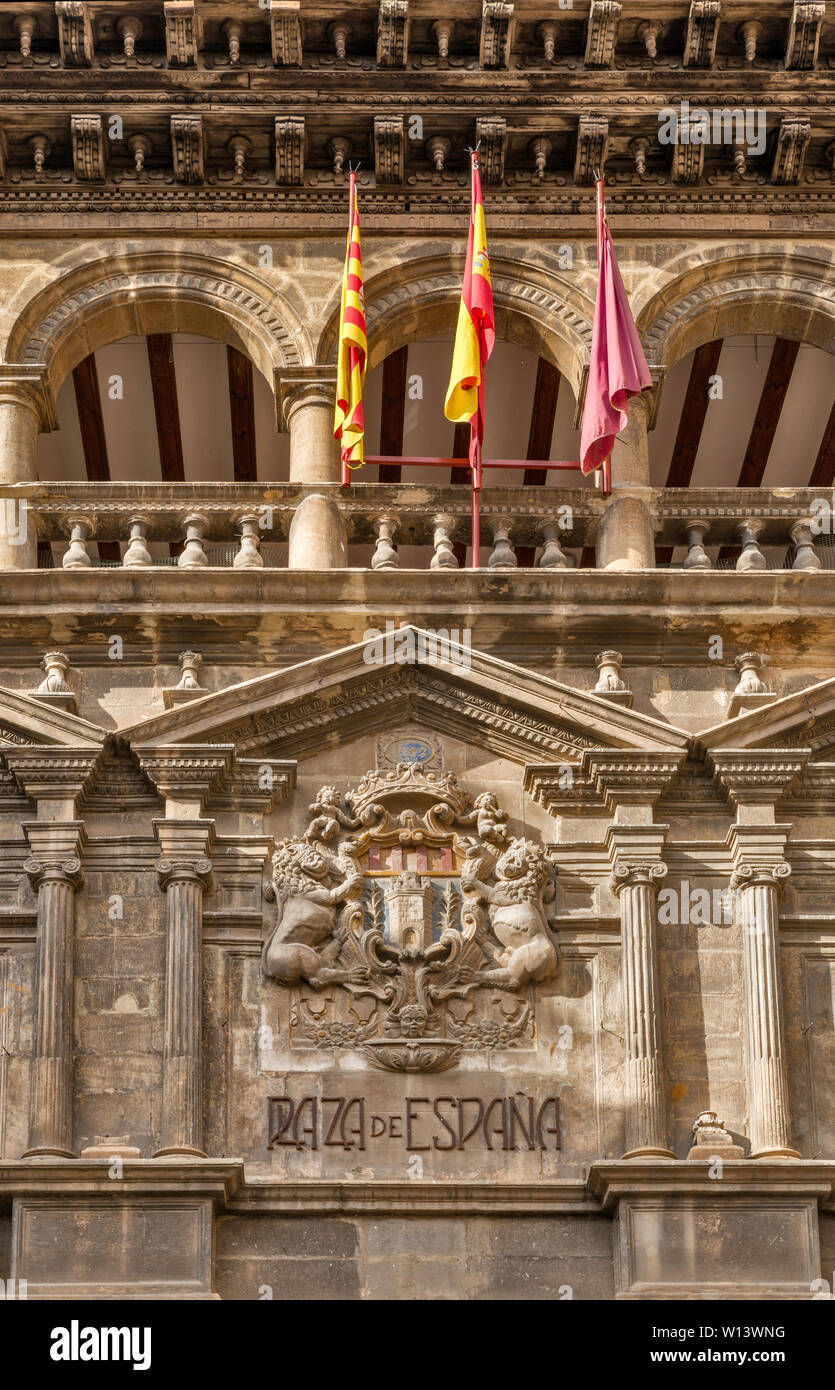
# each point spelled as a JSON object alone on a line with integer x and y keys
{"x": 75, "y": 556}
{"x": 752, "y": 557}
{"x": 385, "y": 556}
{"x": 193, "y": 556}
{"x": 553, "y": 556}
{"x": 502, "y": 556}
{"x": 249, "y": 557}
{"x": 444, "y": 557}
{"x": 805, "y": 556}
{"x": 697, "y": 557}
{"x": 137, "y": 555}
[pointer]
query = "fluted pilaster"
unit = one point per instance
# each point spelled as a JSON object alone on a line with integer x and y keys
{"x": 184, "y": 882}
{"x": 759, "y": 888}
{"x": 645, "y": 1110}
{"x": 50, "y": 1102}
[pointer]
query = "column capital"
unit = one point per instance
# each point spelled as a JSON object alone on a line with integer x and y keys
{"x": 761, "y": 875}
{"x": 54, "y": 849}
{"x": 757, "y": 849}
{"x": 197, "y": 871}
{"x": 300, "y": 386}
{"x": 637, "y": 875}
{"x": 54, "y": 871}
{"x": 29, "y": 386}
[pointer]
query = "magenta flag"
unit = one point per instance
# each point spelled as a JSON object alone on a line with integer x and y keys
{"x": 618, "y": 368}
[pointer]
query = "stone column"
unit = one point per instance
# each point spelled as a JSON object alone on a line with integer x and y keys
{"x": 769, "y": 1116}
{"x": 645, "y": 1108}
{"x": 305, "y": 398}
{"x": 755, "y": 780}
{"x": 55, "y": 873}
{"x": 25, "y": 410}
{"x": 630, "y": 783}
{"x": 305, "y": 405}
{"x": 184, "y": 879}
{"x": 626, "y": 534}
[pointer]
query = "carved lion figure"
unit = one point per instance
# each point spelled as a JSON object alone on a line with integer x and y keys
{"x": 310, "y": 884}
{"x": 516, "y": 906}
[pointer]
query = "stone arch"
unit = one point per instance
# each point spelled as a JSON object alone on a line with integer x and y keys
{"x": 100, "y": 302}
{"x": 534, "y": 309}
{"x": 791, "y": 296}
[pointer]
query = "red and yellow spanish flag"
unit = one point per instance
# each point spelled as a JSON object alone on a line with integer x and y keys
{"x": 349, "y": 425}
{"x": 476, "y": 331}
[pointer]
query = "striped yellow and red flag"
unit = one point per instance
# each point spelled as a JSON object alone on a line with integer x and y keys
{"x": 476, "y": 331}
{"x": 349, "y": 424}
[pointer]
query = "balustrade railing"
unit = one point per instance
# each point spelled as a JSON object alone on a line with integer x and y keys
{"x": 384, "y": 526}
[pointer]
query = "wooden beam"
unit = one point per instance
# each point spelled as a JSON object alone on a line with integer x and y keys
{"x": 693, "y": 414}
{"x": 166, "y": 409}
{"x": 242, "y": 409}
{"x": 823, "y": 473}
{"x": 461, "y": 450}
{"x": 691, "y": 425}
{"x": 88, "y": 401}
{"x": 767, "y": 418}
{"x": 543, "y": 414}
{"x": 393, "y": 411}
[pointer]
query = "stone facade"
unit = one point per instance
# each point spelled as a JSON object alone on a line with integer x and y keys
{"x": 338, "y": 967}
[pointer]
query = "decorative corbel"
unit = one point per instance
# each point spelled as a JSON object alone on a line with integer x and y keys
{"x": 393, "y": 34}
{"x": 496, "y": 34}
{"x": 88, "y": 148}
{"x": 289, "y": 150}
{"x": 75, "y": 33}
{"x": 286, "y": 33}
{"x": 602, "y": 33}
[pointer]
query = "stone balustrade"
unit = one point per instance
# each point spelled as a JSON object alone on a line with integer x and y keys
{"x": 409, "y": 526}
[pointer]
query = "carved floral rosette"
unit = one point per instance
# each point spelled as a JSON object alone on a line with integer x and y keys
{"x": 410, "y": 925}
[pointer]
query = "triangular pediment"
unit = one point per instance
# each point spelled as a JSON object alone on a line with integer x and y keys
{"x": 805, "y": 719}
{"x": 335, "y": 698}
{"x": 25, "y": 720}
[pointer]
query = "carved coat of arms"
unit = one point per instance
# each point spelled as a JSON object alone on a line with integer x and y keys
{"x": 409, "y": 924}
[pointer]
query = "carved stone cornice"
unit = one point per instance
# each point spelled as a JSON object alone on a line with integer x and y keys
{"x": 592, "y": 147}
{"x": 626, "y": 874}
{"x": 562, "y": 789}
{"x": 389, "y": 149}
{"x": 757, "y": 776}
{"x": 602, "y": 33}
{"x": 183, "y": 32}
{"x": 75, "y": 33}
{"x": 254, "y": 784}
{"x": 491, "y": 134}
{"x": 702, "y": 33}
{"x": 88, "y": 148}
{"x": 50, "y": 774}
{"x": 187, "y": 771}
{"x": 790, "y": 155}
{"x": 804, "y": 34}
{"x": 286, "y": 33}
{"x": 393, "y": 34}
{"x": 761, "y": 875}
{"x": 688, "y": 162}
{"x": 631, "y": 777}
{"x": 187, "y": 149}
{"x": 289, "y": 150}
{"x": 497, "y": 23}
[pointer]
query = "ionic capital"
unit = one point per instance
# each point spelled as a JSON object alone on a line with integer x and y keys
{"x": 761, "y": 875}
{"x": 636, "y": 875}
{"x": 197, "y": 871}
{"x": 54, "y": 871}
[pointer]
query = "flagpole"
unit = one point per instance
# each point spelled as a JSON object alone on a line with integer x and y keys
{"x": 352, "y": 180}
{"x": 475, "y": 444}
{"x": 600, "y": 187}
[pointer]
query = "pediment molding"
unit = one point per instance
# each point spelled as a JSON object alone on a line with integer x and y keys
{"x": 26, "y": 721}
{"x": 517, "y": 713}
{"x": 803, "y": 720}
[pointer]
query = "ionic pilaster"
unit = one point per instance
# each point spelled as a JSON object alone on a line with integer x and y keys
{"x": 54, "y": 870}
{"x": 184, "y": 876}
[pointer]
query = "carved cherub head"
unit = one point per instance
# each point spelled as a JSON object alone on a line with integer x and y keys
{"x": 413, "y": 1020}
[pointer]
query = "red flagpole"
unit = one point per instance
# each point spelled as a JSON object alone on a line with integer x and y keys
{"x": 606, "y": 469}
